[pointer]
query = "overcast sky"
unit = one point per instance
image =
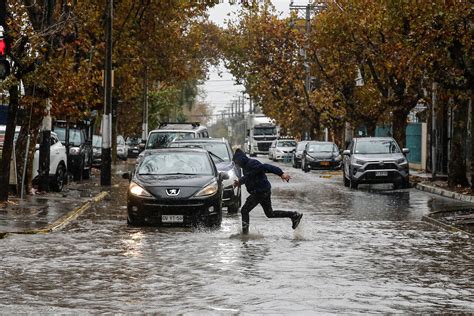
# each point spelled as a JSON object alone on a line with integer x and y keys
{"x": 220, "y": 89}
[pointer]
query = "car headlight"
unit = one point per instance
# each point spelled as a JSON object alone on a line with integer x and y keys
{"x": 308, "y": 157}
{"x": 402, "y": 161}
{"x": 338, "y": 158}
{"x": 74, "y": 151}
{"x": 359, "y": 162}
{"x": 208, "y": 190}
{"x": 137, "y": 190}
{"x": 279, "y": 151}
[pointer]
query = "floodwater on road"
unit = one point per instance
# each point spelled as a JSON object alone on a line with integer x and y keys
{"x": 356, "y": 251}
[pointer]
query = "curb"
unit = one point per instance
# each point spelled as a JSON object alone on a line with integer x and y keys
{"x": 445, "y": 193}
{"x": 64, "y": 220}
{"x": 450, "y": 228}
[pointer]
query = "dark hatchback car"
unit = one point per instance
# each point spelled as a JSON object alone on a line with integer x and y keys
{"x": 321, "y": 155}
{"x": 175, "y": 187}
{"x": 221, "y": 153}
{"x": 298, "y": 153}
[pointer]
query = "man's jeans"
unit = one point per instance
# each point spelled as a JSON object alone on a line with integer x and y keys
{"x": 264, "y": 199}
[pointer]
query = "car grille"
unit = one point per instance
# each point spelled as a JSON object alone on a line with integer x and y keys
{"x": 379, "y": 166}
{"x": 263, "y": 146}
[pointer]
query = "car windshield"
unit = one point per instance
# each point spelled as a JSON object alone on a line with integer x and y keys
{"x": 377, "y": 147}
{"x": 286, "y": 143}
{"x": 163, "y": 139}
{"x": 133, "y": 141}
{"x": 260, "y": 131}
{"x": 218, "y": 149}
{"x": 74, "y": 135}
{"x": 324, "y": 148}
{"x": 97, "y": 141}
{"x": 169, "y": 163}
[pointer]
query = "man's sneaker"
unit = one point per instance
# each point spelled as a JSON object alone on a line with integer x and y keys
{"x": 296, "y": 220}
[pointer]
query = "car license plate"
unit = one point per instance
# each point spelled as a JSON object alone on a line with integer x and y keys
{"x": 324, "y": 163}
{"x": 381, "y": 174}
{"x": 171, "y": 218}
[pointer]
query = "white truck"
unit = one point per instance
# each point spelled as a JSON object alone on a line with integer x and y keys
{"x": 261, "y": 131}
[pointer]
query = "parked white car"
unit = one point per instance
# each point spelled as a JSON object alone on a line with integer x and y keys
{"x": 57, "y": 164}
{"x": 282, "y": 149}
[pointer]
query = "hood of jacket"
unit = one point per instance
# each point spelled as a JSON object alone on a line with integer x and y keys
{"x": 240, "y": 158}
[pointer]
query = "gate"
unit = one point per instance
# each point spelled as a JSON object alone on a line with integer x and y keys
{"x": 413, "y": 141}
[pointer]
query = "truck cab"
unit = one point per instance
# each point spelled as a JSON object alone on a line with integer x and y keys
{"x": 261, "y": 132}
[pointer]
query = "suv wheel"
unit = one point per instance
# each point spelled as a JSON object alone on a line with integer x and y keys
{"x": 346, "y": 181}
{"x": 77, "y": 172}
{"x": 353, "y": 184}
{"x": 59, "y": 177}
{"x": 402, "y": 184}
{"x": 86, "y": 174}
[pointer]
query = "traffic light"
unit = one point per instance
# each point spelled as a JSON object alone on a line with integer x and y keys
{"x": 4, "y": 64}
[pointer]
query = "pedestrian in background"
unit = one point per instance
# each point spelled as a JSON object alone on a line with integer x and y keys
{"x": 255, "y": 180}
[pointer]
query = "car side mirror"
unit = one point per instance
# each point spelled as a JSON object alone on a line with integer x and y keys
{"x": 406, "y": 151}
{"x": 224, "y": 176}
{"x": 346, "y": 152}
{"x": 126, "y": 175}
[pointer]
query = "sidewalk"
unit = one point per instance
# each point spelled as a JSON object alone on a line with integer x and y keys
{"x": 453, "y": 220}
{"x": 47, "y": 212}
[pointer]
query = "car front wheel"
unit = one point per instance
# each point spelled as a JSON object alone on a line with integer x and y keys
{"x": 59, "y": 177}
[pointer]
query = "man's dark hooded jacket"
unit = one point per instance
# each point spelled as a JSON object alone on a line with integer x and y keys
{"x": 254, "y": 171}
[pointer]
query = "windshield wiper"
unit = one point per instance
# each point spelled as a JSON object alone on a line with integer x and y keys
{"x": 214, "y": 155}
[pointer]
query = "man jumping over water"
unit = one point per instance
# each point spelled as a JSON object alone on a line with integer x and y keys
{"x": 259, "y": 188}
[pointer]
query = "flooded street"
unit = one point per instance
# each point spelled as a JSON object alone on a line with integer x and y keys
{"x": 355, "y": 251}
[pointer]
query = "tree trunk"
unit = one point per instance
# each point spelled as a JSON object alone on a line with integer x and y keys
{"x": 399, "y": 126}
{"x": 8, "y": 143}
{"x": 472, "y": 142}
{"x": 457, "y": 162}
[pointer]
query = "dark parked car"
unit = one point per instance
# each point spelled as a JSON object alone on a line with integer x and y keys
{"x": 298, "y": 153}
{"x": 175, "y": 186}
{"x": 375, "y": 160}
{"x": 96, "y": 151}
{"x": 79, "y": 160}
{"x": 320, "y": 155}
{"x": 133, "y": 146}
{"x": 221, "y": 153}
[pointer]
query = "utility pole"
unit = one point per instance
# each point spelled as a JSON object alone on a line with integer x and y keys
{"x": 434, "y": 139}
{"x": 106, "y": 165}
{"x": 317, "y": 7}
{"x": 145, "y": 106}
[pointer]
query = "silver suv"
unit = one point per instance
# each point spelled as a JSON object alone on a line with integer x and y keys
{"x": 375, "y": 160}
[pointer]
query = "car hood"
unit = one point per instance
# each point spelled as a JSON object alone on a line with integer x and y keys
{"x": 286, "y": 149}
{"x": 188, "y": 185}
{"x": 379, "y": 157}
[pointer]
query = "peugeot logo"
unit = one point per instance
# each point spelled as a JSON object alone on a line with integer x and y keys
{"x": 172, "y": 192}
